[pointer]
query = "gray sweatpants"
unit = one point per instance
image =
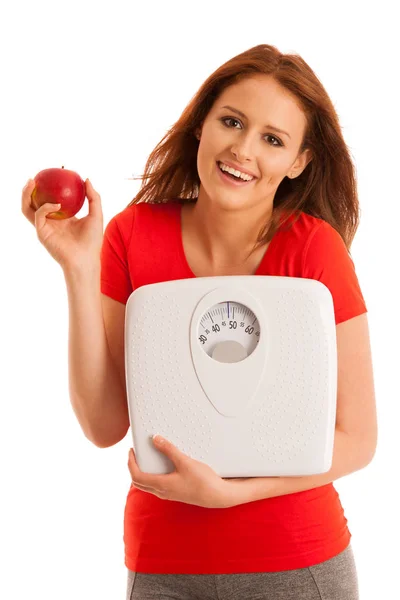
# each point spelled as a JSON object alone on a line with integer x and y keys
{"x": 334, "y": 579}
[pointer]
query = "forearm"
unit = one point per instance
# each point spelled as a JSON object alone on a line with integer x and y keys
{"x": 96, "y": 393}
{"x": 349, "y": 455}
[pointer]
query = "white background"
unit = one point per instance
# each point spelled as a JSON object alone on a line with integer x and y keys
{"x": 94, "y": 86}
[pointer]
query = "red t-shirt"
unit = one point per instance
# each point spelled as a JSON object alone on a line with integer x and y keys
{"x": 143, "y": 245}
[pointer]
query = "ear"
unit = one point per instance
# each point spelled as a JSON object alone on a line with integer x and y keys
{"x": 300, "y": 163}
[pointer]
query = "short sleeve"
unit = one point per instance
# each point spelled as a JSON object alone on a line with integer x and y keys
{"x": 115, "y": 276}
{"x": 327, "y": 259}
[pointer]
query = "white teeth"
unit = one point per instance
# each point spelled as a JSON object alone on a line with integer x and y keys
{"x": 243, "y": 176}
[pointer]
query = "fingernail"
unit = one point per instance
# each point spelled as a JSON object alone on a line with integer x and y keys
{"x": 157, "y": 438}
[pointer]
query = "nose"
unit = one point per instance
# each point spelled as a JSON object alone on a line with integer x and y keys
{"x": 241, "y": 149}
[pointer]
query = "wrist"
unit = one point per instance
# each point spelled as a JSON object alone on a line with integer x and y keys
{"x": 239, "y": 491}
{"x": 81, "y": 266}
{"x": 82, "y": 273}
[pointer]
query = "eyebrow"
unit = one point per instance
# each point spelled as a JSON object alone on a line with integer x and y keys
{"x": 240, "y": 113}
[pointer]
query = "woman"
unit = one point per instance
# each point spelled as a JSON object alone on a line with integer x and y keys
{"x": 253, "y": 179}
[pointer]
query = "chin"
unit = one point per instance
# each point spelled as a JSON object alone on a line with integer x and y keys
{"x": 229, "y": 201}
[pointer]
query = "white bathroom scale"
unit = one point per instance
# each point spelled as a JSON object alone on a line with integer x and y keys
{"x": 239, "y": 372}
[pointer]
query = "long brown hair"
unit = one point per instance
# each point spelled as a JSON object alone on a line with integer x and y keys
{"x": 326, "y": 188}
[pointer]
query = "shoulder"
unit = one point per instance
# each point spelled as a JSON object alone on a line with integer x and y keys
{"x": 325, "y": 258}
{"x": 145, "y": 209}
{"x": 324, "y": 247}
{"x": 299, "y": 236}
{"x": 123, "y": 223}
{"x": 313, "y": 238}
{"x": 306, "y": 226}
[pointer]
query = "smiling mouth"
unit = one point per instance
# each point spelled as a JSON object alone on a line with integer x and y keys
{"x": 229, "y": 177}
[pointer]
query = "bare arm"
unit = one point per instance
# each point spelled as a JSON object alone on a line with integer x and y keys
{"x": 96, "y": 322}
{"x": 356, "y": 432}
{"x": 95, "y": 357}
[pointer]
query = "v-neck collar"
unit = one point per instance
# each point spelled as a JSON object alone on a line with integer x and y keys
{"x": 262, "y": 266}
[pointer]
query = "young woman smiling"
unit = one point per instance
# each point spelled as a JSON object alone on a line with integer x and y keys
{"x": 254, "y": 178}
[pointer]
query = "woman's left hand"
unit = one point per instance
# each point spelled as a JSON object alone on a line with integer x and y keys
{"x": 193, "y": 482}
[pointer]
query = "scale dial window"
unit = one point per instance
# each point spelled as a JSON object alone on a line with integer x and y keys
{"x": 228, "y": 332}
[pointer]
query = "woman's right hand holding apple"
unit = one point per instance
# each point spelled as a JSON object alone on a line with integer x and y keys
{"x": 73, "y": 243}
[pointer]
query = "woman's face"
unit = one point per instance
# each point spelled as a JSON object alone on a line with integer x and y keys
{"x": 249, "y": 142}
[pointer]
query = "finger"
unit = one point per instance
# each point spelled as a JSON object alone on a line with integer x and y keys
{"x": 26, "y": 201}
{"x": 170, "y": 450}
{"x": 41, "y": 214}
{"x": 138, "y": 477}
{"x": 147, "y": 480}
{"x": 94, "y": 200}
{"x": 160, "y": 494}
{"x": 140, "y": 487}
{"x": 145, "y": 488}
{"x": 134, "y": 470}
{"x": 132, "y": 464}
{"x": 144, "y": 485}
{"x": 158, "y": 483}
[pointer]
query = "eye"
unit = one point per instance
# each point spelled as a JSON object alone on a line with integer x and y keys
{"x": 224, "y": 119}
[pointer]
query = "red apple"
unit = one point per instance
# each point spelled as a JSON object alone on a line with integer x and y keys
{"x": 59, "y": 186}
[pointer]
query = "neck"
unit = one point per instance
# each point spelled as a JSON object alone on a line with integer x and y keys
{"x": 226, "y": 236}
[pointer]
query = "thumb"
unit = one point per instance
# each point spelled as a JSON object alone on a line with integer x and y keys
{"x": 93, "y": 199}
{"x": 168, "y": 448}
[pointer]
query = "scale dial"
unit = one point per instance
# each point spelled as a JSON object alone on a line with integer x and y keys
{"x": 228, "y": 331}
